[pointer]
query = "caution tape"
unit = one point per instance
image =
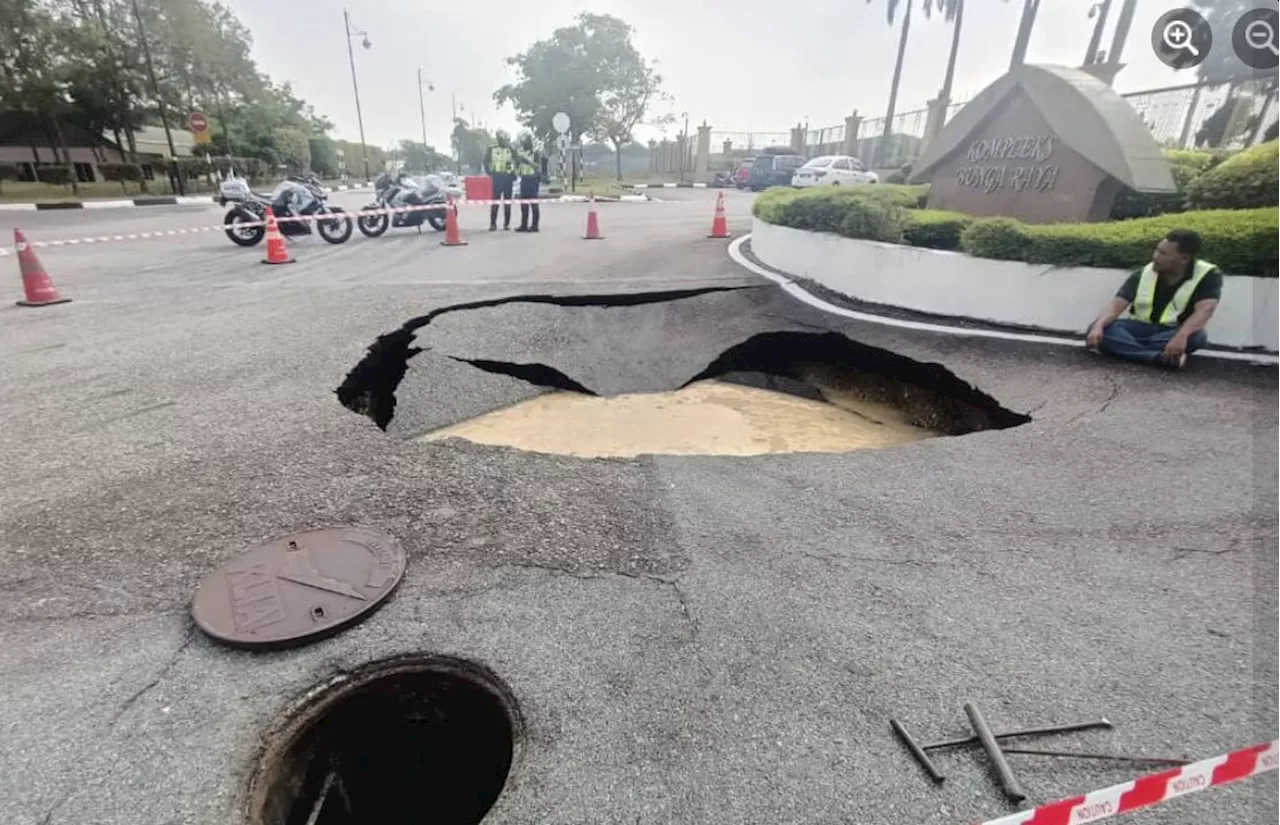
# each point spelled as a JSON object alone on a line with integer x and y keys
{"x": 386, "y": 210}
{"x": 1151, "y": 790}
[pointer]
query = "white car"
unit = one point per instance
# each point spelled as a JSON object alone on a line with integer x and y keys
{"x": 833, "y": 170}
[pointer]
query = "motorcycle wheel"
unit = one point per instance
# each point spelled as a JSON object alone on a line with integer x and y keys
{"x": 371, "y": 226}
{"x": 437, "y": 220}
{"x": 336, "y": 229}
{"x": 242, "y": 235}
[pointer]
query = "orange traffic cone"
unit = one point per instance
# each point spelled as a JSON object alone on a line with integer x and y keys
{"x": 719, "y": 226}
{"x": 593, "y": 223}
{"x": 277, "y": 252}
{"x": 451, "y": 234}
{"x": 36, "y": 283}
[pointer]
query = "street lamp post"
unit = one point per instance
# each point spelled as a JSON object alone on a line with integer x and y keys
{"x": 684, "y": 144}
{"x": 346, "y": 20}
{"x": 422, "y": 112}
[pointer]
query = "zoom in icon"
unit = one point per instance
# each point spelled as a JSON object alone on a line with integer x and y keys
{"x": 1254, "y": 39}
{"x": 1181, "y": 39}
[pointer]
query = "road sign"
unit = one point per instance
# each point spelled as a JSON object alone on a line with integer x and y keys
{"x": 203, "y": 137}
{"x": 562, "y": 142}
{"x": 561, "y": 122}
{"x": 198, "y": 122}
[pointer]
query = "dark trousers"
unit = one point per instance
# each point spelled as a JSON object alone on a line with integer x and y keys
{"x": 1139, "y": 341}
{"x": 528, "y": 190}
{"x": 502, "y": 183}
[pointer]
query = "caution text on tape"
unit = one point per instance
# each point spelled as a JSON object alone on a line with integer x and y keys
{"x": 1152, "y": 789}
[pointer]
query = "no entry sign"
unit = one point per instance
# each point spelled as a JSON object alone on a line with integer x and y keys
{"x": 198, "y": 122}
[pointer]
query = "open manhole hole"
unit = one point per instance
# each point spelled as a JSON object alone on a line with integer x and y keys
{"x": 406, "y": 741}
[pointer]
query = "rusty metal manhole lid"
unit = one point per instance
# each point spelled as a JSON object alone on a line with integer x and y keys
{"x": 299, "y": 588}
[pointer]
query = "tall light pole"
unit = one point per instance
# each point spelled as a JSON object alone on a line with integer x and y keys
{"x": 684, "y": 144}
{"x": 351, "y": 56}
{"x": 422, "y": 112}
{"x": 1100, "y": 11}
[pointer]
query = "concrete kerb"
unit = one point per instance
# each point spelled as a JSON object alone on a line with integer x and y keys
{"x": 794, "y": 289}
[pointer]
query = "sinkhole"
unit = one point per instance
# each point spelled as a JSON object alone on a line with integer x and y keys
{"x": 775, "y": 392}
{"x": 412, "y": 740}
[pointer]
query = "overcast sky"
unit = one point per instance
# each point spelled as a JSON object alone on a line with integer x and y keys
{"x": 745, "y": 65}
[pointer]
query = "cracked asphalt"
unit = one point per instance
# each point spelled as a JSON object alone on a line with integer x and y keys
{"x": 690, "y": 639}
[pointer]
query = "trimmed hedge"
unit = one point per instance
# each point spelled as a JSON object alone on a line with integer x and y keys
{"x": 1245, "y": 180}
{"x": 1186, "y": 166}
{"x": 1241, "y": 241}
{"x": 935, "y": 228}
{"x": 823, "y": 208}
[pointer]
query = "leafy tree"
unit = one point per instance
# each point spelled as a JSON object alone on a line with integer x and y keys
{"x": 592, "y": 72}
{"x": 1222, "y": 63}
{"x": 324, "y": 157}
{"x": 469, "y": 144}
{"x": 33, "y": 68}
{"x": 420, "y": 157}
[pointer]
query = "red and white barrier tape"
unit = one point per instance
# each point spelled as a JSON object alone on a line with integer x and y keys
{"x": 165, "y": 233}
{"x": 1152, "y": 789}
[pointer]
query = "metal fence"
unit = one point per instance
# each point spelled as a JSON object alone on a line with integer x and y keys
{"x": 747, "y": 143}
{"x": 1226, "y": 115}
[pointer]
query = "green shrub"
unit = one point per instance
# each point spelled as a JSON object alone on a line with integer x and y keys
{"x": 1185, "y": 166}
{"x": 1245, "y": 180}
{"x": 116, "y": 172}
{"x": 1240, "y": 241}
{"x": 60, "y": 175}
{"x": 900, "y": 175}
{"x": 822, "y": 209}
{"x": 935, "y": 228}
{"x": 871, "y": 221}
{"x": 1001, "y": 238}
{"x": 904, "y": 196}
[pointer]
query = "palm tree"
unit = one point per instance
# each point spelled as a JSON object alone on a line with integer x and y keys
{"x": 1029, "y": 10}
{"x": 891, "y": 7}
{"x": 952, "y": 11}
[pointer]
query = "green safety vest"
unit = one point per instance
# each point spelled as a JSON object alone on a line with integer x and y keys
{"x": 1144, "y": 301}
{"x": 526, "y": 167}
{"x": 500, "y": 160}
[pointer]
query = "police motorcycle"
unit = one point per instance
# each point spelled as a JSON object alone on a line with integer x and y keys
{"x": 399, "y": 191}
{"x": 295, "y": 196}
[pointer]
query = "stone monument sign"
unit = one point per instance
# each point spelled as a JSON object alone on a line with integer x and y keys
{"x": 1043, "y": 144}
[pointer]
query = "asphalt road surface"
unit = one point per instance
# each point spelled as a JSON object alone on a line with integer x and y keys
{"x": 689, "y": 639}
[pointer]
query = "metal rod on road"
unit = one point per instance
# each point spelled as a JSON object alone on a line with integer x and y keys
{"x": 917, "y": 751}
{"x": 1111, "y": 757}
{"x": 1010, "y": 782}
{"x": 970, "y": 740}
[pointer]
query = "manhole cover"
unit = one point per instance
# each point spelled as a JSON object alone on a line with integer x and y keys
{"x": 299, "y": 588}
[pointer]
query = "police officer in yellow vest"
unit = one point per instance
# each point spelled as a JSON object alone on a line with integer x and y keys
{"x": 527, "y": 168}
{"x": 500, "y": 165}
{"x": 1159, "y": 314}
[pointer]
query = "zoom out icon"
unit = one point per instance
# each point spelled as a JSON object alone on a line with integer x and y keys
{"x": 1181, "y": 39}
{"x": 1254, "y": 39}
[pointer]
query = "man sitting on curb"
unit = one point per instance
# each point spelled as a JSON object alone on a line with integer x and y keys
{"x": 1163, "y": 307}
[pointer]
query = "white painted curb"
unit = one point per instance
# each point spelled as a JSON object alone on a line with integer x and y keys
{"x": 116, "y": 204}
{"x": 796, "y": 291}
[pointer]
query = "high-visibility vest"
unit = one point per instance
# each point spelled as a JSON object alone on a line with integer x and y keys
{"x": 500, "y": 159}
{"x": 526, "y": 167}
{"x": 1144, "y": 301}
